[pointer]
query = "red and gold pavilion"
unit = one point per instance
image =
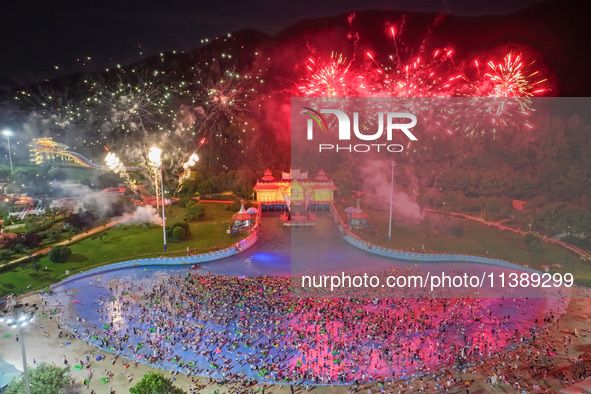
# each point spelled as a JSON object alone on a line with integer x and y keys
{"x": 296, "y": 191}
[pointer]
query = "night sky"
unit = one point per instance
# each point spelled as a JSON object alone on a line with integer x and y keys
{"x": 39, "y": 35}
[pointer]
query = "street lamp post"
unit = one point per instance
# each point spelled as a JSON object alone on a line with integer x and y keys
{"x": 21, "y": 322}
{"x": 155, "y": 164}
{"x": 163, "y": 217}
{"x": 24, "y": 356}
{"x": 392, "y": 164}
{"x": 7, "y": 134}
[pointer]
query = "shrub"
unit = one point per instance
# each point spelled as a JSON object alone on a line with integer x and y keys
{"x": 185, "y": 227}
{"x": 457, "y": 230}
{"x": 584, "y": 282}
{"x": 59, "y": 254}
{"x": 183, "y": 201}
{"x": 31, "y": 259}
{"x": 529, "y": 238}
{"x": 471, "y": 205}
{"x": 153, "y": 382}
{"x": 178, "y": 234}
{"x": 175, "y": 235}
{"x": 535, "y": 246}
{"x": 5, "y": 255}
{"x": 194, "y": 211}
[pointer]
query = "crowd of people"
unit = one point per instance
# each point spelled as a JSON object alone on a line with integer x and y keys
{"x": 246, "y": 330}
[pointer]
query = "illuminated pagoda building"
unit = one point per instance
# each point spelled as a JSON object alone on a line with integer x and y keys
{"x": 295, "y": 193}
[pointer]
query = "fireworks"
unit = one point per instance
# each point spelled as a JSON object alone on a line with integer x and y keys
{"x": 330, "y": 79}
{"x": 155, "y": 157}
{"x": 422, "y": 75}
{"x": 193, "y": 159}
{"x": 475, "y": 116}
{"x": 501, "y": 96}
{"x": 115, "y": 165}
{"x": 434, "y": 77}
{"x": 511, "y": 78}
{"x": 154, "y": 166}
{"x": 220, "y": 95}
{"x": 135, "y": 101}
{"x": 509, "y": 83}
{"x": 223, "y": 94}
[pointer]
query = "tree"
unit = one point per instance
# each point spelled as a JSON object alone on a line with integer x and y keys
{"x": 535, "y": 247}
{"x": 33, "y": 262}
{"x": 194, "y": 211}
{"x": 183, "y": 201}
{"x": 51, "y": 212}
{"x": 243, "y": 183}
{"x": 31, "y": 240}
{"x": 12, "y": 188}
{"x": 178, "y": 234}
{"x": 59, "y": 254}
{"x": 43, "y": 379}
{"x": 51, "y": 236}
{"x": 153, "y": 382}
{"x": 243, "y": 191}
{"x": 81, "y": 221}
{"x": 344, "y": 181}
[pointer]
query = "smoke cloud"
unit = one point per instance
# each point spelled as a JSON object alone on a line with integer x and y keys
{"x": 143, "y": 215}
{"x": 376, "y": 176}
{"x": 89, "y": 198}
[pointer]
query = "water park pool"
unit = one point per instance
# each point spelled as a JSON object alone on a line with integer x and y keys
{"x": 236, "y": 317}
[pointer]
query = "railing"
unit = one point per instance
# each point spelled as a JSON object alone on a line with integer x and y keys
{"x": 337, "y": 218}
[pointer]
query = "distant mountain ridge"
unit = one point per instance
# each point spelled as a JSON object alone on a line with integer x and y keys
{"x": 557, "y": 34}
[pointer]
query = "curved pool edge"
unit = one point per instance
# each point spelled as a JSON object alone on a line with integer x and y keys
{"x": 233, "y": 250}
{"x": 366, "y": 246}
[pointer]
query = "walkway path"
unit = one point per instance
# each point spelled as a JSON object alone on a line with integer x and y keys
{"x": 72, "y": 240}
{"x": 582, "y": 253}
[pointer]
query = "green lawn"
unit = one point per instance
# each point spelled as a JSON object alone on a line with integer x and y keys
{"x": 126, "y": 243}
{"x": 78, "y": 174}
{"x": 435, "y": 234}
{"x": 17, "y": 230}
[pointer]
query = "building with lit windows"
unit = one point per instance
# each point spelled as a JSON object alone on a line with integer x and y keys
{"x": 295, "y": 192}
